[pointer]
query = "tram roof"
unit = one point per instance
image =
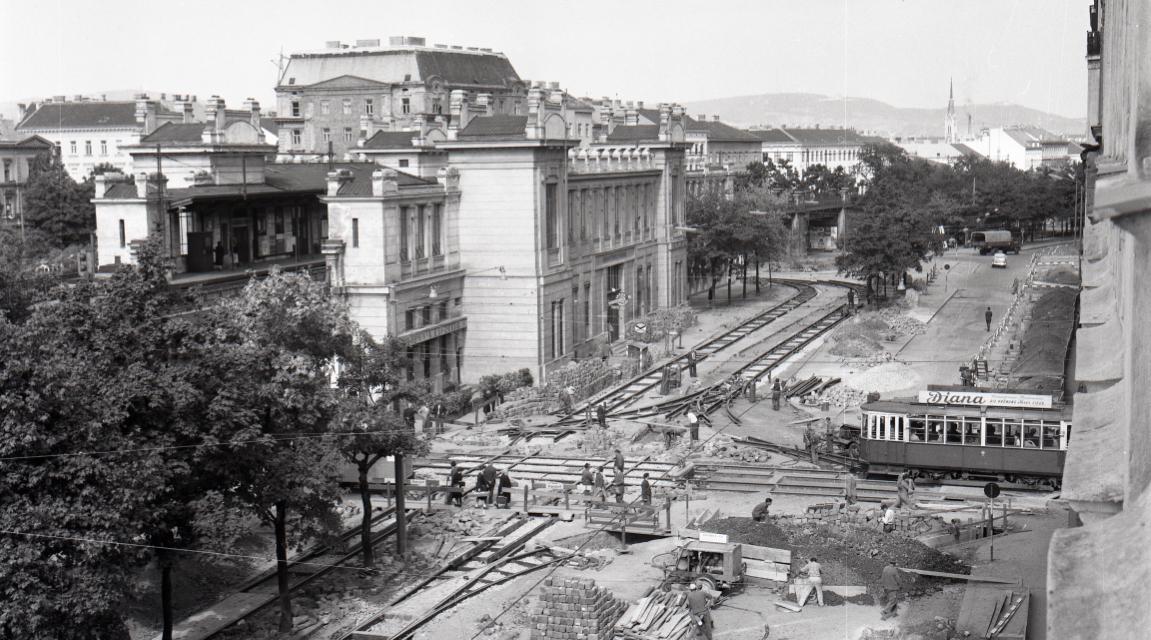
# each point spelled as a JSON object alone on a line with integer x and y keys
{"x": 912, "y": 406}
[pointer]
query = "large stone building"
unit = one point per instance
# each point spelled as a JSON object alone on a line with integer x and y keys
{"x": 1024, "y": 147}
{"x": 326, "y": 98}
{"x": 802, "y": 148}
{"x": 90, "y": 132}
{"x": 1098, "y": 575}
{"x": 490, "y": 241}
{"x": 17, "y": 151}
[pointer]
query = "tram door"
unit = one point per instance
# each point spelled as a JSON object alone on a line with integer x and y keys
{"x": 614, "y": 280}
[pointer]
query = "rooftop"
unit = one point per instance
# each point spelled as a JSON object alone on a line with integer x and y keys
{"x": 400, "y": 64}
{"x": 391, "y": 140}
{"x": 77, "y": 115}
{"x": 495, "y": 128}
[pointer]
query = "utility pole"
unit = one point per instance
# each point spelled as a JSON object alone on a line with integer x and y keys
{"x": 401, "y": 526}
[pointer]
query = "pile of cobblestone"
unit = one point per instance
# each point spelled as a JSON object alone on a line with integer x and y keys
{"x": 575, "y": 608}
{"x": 842, "y": 395}
{"x": 908, "y": 522}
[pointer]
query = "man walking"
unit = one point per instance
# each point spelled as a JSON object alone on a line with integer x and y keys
{"x": 601, "y": 415}
{"x": 645, "y": 490}
{"x": 600, "y": 492}
{"x": 987, "y": 316}
{"x": 812, "y": 569}
{"x": 617, "y": 485}
{"x": 586, "y": 480}
{"x": 455, "y": 486}
{"x": 693, "y": 425}
{"x": 850, "y": 488}
{"x": 620, "y": 465}
{"x": 700, "y": 611}
{"x": 692, "y": 359}
{"x": 890, "y": 583}
{"x": 776, "y": 394}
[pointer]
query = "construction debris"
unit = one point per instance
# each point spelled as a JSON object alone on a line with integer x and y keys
{"x": 657, "y": 616}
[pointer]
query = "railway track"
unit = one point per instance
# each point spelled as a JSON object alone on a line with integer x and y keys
{"x": 484, "y": 563}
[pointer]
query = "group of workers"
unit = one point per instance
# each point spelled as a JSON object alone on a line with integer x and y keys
{"x": 493, "y": 486}
{"x": 595, "y": 484}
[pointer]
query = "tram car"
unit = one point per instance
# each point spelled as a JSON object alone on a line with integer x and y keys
{"x": 969, "y": 435}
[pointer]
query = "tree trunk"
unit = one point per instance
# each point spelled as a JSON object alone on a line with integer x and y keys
{"x": 401, "y": 525}
{"x": 769, "y": 283}
{"x": 282, "y": 567}
{"x": 744, "y": 268}
{"x": 166, "y": 594}
{"x": 366, "y": 523}
{"x": 757, "y": 273}
{"x": 729, "y": 283}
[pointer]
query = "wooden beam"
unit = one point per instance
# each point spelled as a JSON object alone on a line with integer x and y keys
{"x": 961, "y": 576}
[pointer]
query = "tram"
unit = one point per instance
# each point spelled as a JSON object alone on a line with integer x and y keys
{"x": 968, "y": 435}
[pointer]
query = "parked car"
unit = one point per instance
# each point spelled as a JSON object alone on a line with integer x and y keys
{"x": 999, "y": 260}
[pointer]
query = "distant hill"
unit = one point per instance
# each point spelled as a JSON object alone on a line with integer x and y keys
{"x": 865, "y": 114}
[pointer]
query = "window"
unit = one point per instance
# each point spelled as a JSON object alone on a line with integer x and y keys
{"x": 87, "y": 147}
{"x": 646, "y": 203}
{"x": 403, "y": 163}
{"x": 443, "y": 311}
{"x": 72, "y": 144}
{"x": 409, "y": 319}
{"x": 551, "y": 216}
{"x": 325, "y": 107}
{"x": 295, "y": 108}
{"x": 575, "y": 309}
{"x": 587, "y": 309}
{"x": 633, "y": 202}
{"x": 356, "y": 233}
{"x": 404, "y": 233}
{"x": 425, "y": 316}
{"x": 295, "y": 137}
{"x": 557, "y": 328}
{"x": 369, "y": 106}
{"x": 326, "y": 135}
{"x": 7, "y": 170}
{"x": 407, "y": 77}
{"x": 405, "y": 105}
{"x": 420, "y": 226}
{"x": 571, "y": 217}
{"x": 602, "y": 199}
{"x": 615, "y": 207}
{"x": 347, "y": 106}
{"x": 123, "y": 236}
{"x": 437, "y": 228}
{"x": 347, "y": 134}
{"x": 103, "y": 147}
{"x": 639, "y": 291}
{"x": 583, "y": 215}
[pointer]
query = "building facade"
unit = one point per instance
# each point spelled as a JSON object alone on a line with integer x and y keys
{"x": 802, "y": 148}
{"x": 327, "y": 100}
{"x": 16, "y": 155}
{"x": 1023, "y": 147}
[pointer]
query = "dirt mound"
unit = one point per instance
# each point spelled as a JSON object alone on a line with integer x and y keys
{"x": 849, "y": 555}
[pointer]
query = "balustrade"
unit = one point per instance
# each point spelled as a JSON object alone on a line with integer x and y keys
{"x": 610, "y": 159}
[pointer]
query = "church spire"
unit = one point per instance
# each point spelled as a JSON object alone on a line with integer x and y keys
{"x": 949, "y": 122}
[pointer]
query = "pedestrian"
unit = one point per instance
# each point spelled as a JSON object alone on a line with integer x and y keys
{"x": 891, "y": 585}
{"x": 601, "y": 415}
{"x": 710, "y": 294}
{"x": 692, "y": 359}
{"x": 617, "y": 485}
{"x": 455, "y": 485}
{"x": 586, "y": 479}
{"x": 851, "y": 301}
{"x": 482, "y": 488}
{"x": 776, "y": 394}
{"x": 850, "y": 488}
{"x": 645, "y": 490}
{"x": 760, "y": 512}
{"x": 490, "y": 475}
{"x": 600, "y": 492}
{"x": 667, "y": 438}
{"x": 219, "y": 251}
{"x": 700, "y": 611}
{"x": 905, "y": 485}
{"x": 619, "y": 462}
{"x": 812, "y": 569}
{"x": 505, "y": 490}
{"x": 987, "y": 316}
{"x": 693, "y": 425}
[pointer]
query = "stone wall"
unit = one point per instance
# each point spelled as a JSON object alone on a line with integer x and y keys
{"x": 908, "y": 522}
{"x": 585, "y": 379}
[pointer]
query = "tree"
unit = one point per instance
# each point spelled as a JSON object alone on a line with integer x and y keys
{"x": 275, "y": 346}
{"x": 373, "y": 387}
{"x": 56, "y": 204}
{"x": 888, "y": 242}
{"x": 93, "y": 393}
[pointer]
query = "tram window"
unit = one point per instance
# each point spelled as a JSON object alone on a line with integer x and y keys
{"x": 1011, "y": 434}
{"x": 1031, "y": 432}
{"x": 1067, "y": 436}
{"x": 918, "y": 430}
{"x": 935, "y": 430}
{"x": 1050, "y": 435}
{"x": 899, "y": 422}
{"x": 972, "y": 427}
{"x": 994, "y": 432}
{"x": 952, "y": 431}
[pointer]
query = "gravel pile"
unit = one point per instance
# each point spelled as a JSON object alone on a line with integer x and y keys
{"x": 844, "y": 396}
{"x": 902, "y": 323}
{"x": 890, "y": 376}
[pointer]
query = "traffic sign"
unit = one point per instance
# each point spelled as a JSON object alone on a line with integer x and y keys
{"x": 991, "y": 490}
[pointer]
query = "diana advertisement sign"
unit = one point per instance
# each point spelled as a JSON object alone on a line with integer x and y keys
{"x": 979, "y": 399}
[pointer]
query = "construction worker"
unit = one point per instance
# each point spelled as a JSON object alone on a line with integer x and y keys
{"x": 693, "y": 425}
{"x": 811, "y": 442}
{"x": 645, "y": 490}
{"x": 760, "y": 512}
{"x": 905, "y": 486}
{"x": 776, "y": 394}
{"x": 601, "y": 415}
{"x": 751, "y": 391}
{"x": 586, "y": 479}
{"x": 812, "y": 569}
{"x": 891, "y": 585}
{"x": 619, "y": 461}
{"x": 665, "y": 381}
{"x": 505, "y": 489}
{"x": 849, "y": 490}
{"x": 850, "y": 301}
{"x": 692, "y": 359}
{"x": 455, "y": 494}
{"x": 700, "y": 611}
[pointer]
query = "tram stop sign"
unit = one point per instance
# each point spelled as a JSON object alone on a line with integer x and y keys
{"x": 991, "y": 490}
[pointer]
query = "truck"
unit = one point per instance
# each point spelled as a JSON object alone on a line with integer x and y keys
{"x": 992, "y": 241}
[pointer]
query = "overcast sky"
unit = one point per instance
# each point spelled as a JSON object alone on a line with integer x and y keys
{"x": 1027, "y": 52}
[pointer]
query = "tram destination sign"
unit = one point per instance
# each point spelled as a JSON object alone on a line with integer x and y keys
{"x": 981, "y": 399}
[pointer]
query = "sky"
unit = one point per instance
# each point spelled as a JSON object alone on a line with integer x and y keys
{"x": 903, "y": 52}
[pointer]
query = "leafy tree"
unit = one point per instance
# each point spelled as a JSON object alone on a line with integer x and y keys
{"x": 56, "y": 204}
{"x": 274, "y": 348}
{"x": 890, "y": 241}
{"x": 93, "y": 392}
{"x": 373, "y": 386}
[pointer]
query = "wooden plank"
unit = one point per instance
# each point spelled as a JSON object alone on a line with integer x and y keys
{"x": 766, "y": 575}
{"x": 779, "y": 556}
{"x": 767, "y": 566}
{"x": 788, "y": 606}
{"x": 960, "y": 576}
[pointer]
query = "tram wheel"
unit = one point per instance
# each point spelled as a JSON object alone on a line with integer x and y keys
{"x": 853, "y": 450}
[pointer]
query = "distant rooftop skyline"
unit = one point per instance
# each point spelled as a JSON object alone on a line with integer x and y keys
{"x": 1027, "y": 52}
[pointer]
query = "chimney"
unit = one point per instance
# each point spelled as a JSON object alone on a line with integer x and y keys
{"x": 457, "y": 108}
{"x": 103, "y": 97}
{"x": 484, "y": 102}
{"x": 188, "y": 112}
{"x": 215, "y": 112}
{"x": 337, "y": 179}
{"x": 631, "y": 116}
{"x": 715, "y": 118}
{"x": 701, "y": 117}
{"x": 333, "y": 44}
{"x": 141, "y": 185}
{"x": 145, "y": 113}
{"x": 664, "y": 122}
{"x": 163, "y": 96}
{"x": 367, "y": 127}
{"x": 639, "y": 104}
{"x": 384, "y": 182}
{"x": 61, "y": 98}
{"x": 21, "y": 111}
{"x": 252, "y": 106}
{"x": 77, "y": 98}
{"x": 101, "y": 186}
{"x": 368, "y": 43}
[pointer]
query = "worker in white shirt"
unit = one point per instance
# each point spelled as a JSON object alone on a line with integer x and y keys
{"x": 812, "y": 569}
